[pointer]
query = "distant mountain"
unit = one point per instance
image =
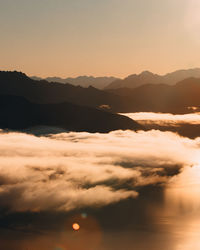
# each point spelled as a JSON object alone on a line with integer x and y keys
{"x": 134, "y": 81}
{"x": 146, "y": 77}
{"x": 83, "y": 81}
{"x": 180, "y": 75}
{"x": 19, "y": 113}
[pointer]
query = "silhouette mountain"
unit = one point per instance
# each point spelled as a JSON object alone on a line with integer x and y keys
{"x": 19, "y": 113}
{"x": 83, "y": 81}
{"x": 162, "y": 97}
{"x": 147, "y": 77}
{"x": 149, "y": 97}
{"x": 17, "y": 83}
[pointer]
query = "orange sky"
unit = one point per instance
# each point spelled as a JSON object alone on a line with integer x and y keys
{"x": 107, "y": 37}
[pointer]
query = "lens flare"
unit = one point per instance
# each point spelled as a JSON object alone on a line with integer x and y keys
{"x": 76, "y": 226}
{"x": 84, "y": 215}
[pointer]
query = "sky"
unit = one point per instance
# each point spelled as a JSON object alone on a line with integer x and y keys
{"x": 101, "y": 38}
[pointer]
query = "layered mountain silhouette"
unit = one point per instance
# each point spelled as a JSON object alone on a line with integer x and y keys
{"x": 150, "y": 97}
{"x": 147, "y": 77}
{"x": 83, "y": 81}
{"x": 19, "y": 113}
{"x": 162, "y": 97}
{"x": 17, "y": 83}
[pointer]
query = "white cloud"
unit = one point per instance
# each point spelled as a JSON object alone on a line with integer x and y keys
{"x": 165, "y": 119}
{"x": 75, "y": 170}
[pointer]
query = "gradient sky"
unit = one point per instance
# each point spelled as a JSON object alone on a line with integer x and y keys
{"x": 99, "y": 37}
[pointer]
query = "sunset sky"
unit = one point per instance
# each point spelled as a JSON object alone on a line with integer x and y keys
{"x": 91, "y": 37}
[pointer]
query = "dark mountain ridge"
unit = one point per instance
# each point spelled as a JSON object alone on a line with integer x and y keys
{"x": 17, "y": 83}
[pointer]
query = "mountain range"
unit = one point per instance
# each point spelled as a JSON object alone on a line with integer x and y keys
{"x": 146, "y": 77}
{"x": 150, "y": 97}
{"x": 83, "y": 81}
{"x": 43, "y": 92}
{"x": 178, "y": 98}
{"x": 132, "y": 81}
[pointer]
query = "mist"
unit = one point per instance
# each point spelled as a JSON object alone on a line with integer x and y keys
{"x": 70, "y": 170}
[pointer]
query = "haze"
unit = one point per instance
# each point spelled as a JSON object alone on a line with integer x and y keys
{"x": 107, "y": 37}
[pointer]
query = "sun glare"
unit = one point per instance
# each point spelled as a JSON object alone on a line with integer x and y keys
{"x": 76, "y": 226}
{"x": 193, "y": 18}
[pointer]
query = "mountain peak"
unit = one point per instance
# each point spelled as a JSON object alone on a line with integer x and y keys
{"x": 146, "y": 73}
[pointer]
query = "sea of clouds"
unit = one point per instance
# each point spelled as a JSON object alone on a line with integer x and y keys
{"x": 71, "y": 170}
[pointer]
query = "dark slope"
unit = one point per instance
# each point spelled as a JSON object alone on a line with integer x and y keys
{"x": 16, "y": 83}
{"x": 19, "y": 113}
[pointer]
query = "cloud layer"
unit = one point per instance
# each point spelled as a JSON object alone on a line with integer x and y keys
{"x": 165, "y": 119}
{"x": 72, "y": 170}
